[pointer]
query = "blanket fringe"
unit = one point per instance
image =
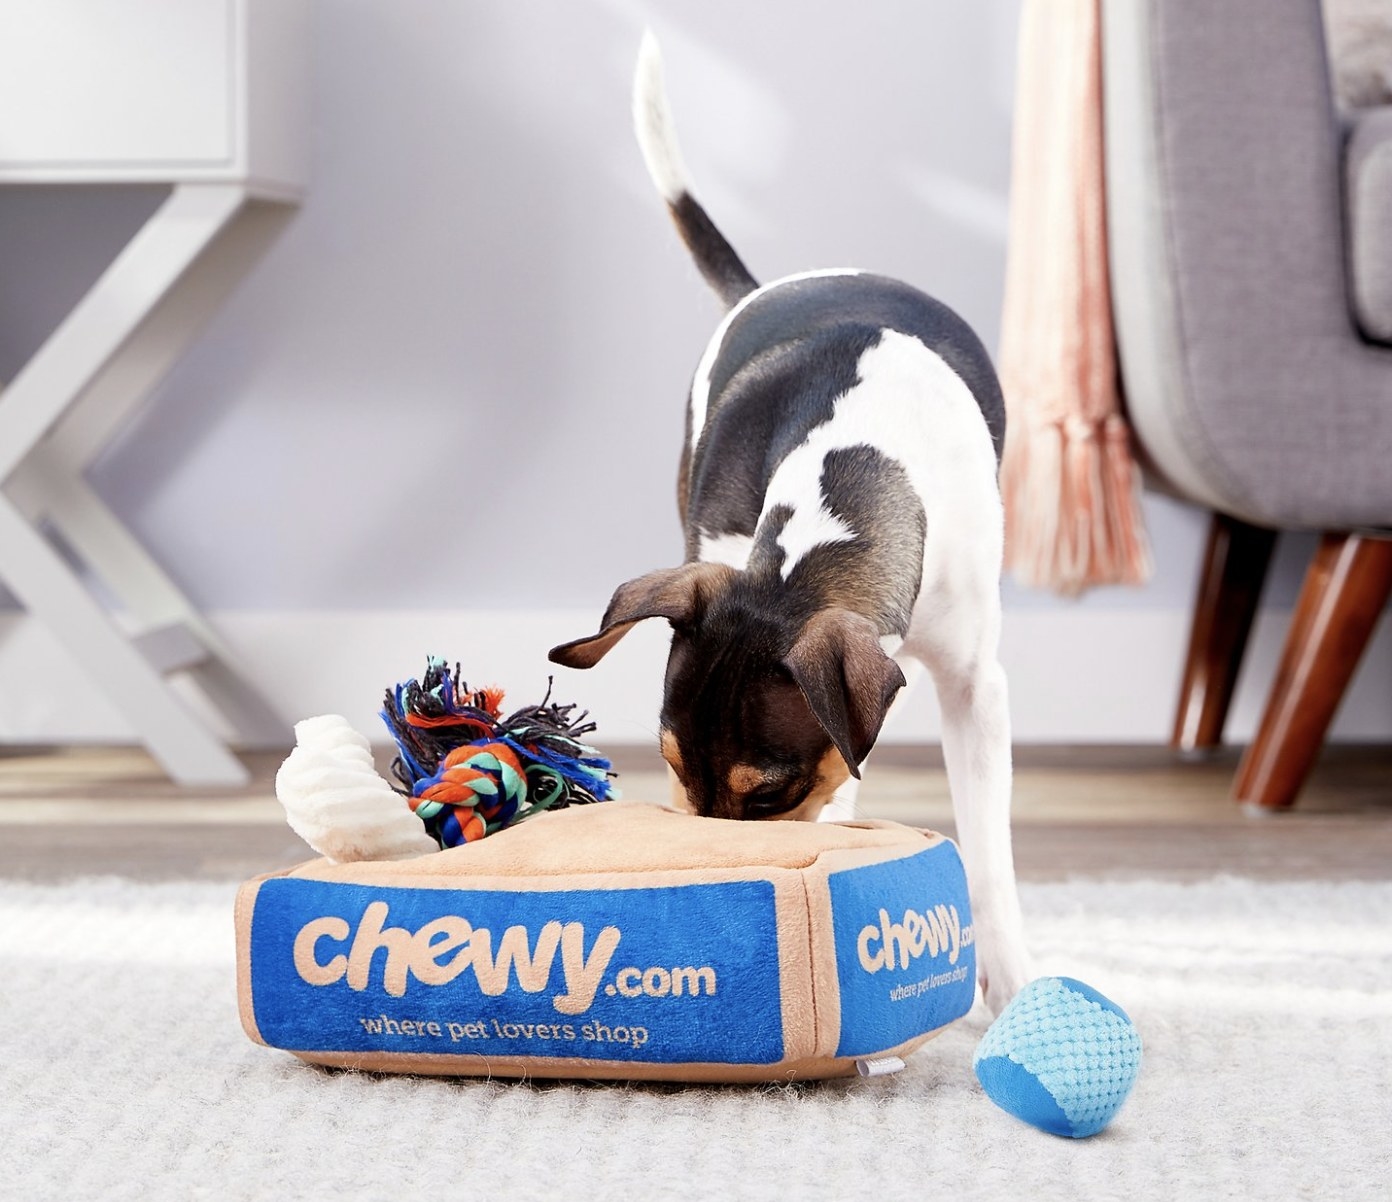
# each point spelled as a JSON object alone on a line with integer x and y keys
{"x": 1072, "y": 506}
{"x": 1068, "y": 478}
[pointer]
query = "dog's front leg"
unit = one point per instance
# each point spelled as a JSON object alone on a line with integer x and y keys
{"x": 976, "y": 748}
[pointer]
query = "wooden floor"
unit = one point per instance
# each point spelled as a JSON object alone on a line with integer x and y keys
{"x": 1119, "y": 812}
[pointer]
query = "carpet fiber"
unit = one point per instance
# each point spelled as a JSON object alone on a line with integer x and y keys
{"x": 1266, "y": 1011}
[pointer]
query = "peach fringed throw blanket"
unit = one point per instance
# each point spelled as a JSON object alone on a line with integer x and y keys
{"x": 1072, "y": 509}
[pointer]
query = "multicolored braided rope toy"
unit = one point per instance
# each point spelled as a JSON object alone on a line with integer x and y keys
{"x": 467, "y": 771}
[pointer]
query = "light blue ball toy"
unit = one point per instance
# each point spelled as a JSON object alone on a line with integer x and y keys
{"x": 1060, "y": 1056}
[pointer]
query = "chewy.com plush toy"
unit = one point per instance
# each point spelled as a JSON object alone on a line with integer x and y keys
{"x": 507, "y": 917}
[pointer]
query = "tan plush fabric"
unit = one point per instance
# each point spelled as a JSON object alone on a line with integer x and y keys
{"x": 627, "y": 837}
{"x": 623, "y": 846}
{"x": 1070, "y": 485}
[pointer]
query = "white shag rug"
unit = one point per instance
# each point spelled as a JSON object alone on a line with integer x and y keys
{"x": 1266, "y": 1011}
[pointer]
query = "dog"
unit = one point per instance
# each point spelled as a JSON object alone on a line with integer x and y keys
{"x": 844, "y": 529}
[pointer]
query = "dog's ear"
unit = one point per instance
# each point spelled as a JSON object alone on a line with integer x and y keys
{"x": 680, "y": 595}
{"x": 847, "y": 678}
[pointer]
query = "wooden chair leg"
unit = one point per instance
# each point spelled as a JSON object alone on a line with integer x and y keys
{"x": 1230, "y": 584}
{"x": 1345, "y": 589}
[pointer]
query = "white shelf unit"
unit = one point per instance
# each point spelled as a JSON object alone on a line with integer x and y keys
{"x": 209, "y": 97}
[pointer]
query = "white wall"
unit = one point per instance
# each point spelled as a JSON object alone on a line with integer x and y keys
{"x": 454, "y": 388}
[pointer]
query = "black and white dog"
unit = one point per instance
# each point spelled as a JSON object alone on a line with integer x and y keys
{"x": 843, "y": 527}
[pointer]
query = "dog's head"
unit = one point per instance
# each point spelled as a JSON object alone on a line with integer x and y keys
{"x": 765, "y": 710}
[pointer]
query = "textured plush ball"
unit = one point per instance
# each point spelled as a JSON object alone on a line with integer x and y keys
{"x": 1061, "y": 1056}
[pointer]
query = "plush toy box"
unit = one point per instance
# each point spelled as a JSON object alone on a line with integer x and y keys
{"x": 620, "y": 940}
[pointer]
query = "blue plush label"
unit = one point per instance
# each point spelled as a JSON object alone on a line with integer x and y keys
{"x": 674, "y": 975}
{"x": 905, "y": 956}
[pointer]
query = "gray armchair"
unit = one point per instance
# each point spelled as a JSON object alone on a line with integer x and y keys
{"x": 1250, "y": 230}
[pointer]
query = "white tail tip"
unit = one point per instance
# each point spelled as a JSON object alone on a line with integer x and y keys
{"x": 652, "y": 122}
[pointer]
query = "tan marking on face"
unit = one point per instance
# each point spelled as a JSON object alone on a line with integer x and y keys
{"x": 745, "y": 778}
{"x": 832, "y": 773}
{"x": 680, "y": 801}
{"x": 667, "y": 744}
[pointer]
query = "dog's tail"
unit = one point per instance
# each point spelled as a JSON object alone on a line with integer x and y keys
{"x": 657, "y": 136}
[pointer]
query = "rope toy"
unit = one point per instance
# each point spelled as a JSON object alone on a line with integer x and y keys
{"x": 467, "y": 771}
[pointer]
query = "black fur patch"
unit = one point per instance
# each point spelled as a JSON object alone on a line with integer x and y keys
{"x": 716, "y": 259}
{"x": 877, "y": 573}
{"x": 766, "y": 410}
